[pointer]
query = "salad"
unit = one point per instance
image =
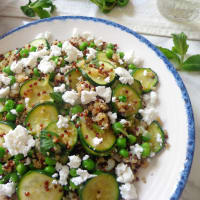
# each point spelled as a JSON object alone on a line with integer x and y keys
{"x": 78, "y": 119}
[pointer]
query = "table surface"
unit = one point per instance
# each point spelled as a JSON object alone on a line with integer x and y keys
{"x": 192, "y": 83}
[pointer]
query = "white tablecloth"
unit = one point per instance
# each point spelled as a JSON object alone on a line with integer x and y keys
{"x": 142, "y": 16}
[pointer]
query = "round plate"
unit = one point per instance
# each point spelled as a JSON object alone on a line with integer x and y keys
{"x": 168, "y": 172}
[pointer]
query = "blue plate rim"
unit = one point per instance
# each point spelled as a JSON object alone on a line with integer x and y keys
{"x": 191, "y": 124}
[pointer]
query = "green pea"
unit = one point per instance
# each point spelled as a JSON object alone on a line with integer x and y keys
{"x": 50, "y": 161}
{"x": 24, "y": 53}
{"x": 146, "y": 149}
{"x": 88, "y": 164}
{"x": 1, "y": 168}
{"x": 124, "y": 153}
{"x": 110, "y": 46}
{"x": 83, "y": 46}
{"x": 12, "y": 80}
{"x": 121, "y": 142}
{"x": 121, "y": 55}
{"x": 146, "y": 137}
{"x": 20, "y": 108}
{"x": 21, "y": 168}
{"x": 132, "y": 139}
{"x": 132, "y": 66}
{"x": 10, "y": 117}
{"x": 36, "y": 72}
{"x": 9, "y": 105}
{"x": 49, "y": 169}
{"x": 33, "y": 48}
{"x": 73, "y": 186}
{"x": 109, "y": 53}
{"x": 17, "y": 158}
{"x": 92, "y": 45}
{"x": 76, "y": 109}
{"x": 60, "y": 44}
{"x": 14, "y": 177}
{"x": 72, "y": 172}
{"x": 2, "y": 152}
{"x": 122, "y": 98}
{"x": 7, "y": 70}
{"x": 117, "y": 127}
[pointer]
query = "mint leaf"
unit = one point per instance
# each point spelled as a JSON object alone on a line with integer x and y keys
{"x": 28, "y": 11}
{"x": 180, "y": 45}
{"x": 46, "y": 142}
{"x": 192, "y": 63}
{"x": 57, "y": 97}
{"x": 170, "y": 55}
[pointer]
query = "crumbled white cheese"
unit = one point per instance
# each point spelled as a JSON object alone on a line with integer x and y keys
{"x": 65, "y": 69}
{"x": 159, "y": 139}
{"x": 85, "y": 157}
{"x": 13, "y": 111}
{"x": 60, "y": 88}
{"x": 98, "y": 42}
{"x": 7, "y": 189}
{"x": 83, "y": 175}
{"x": 152, "y": 154}
{"x": 88, "y": 96}
{"x": 112, "y": 117}
{"x": 27, "y": 161}
{"x": 88, "y": 36}
{"x": 18, "y": 141}
{"x": 55, "y": 50}
{"x": 113, "y": 99}
{"x": 55, "y": 182}
{"x": 46, "y": 66}
{"x": 130, "y": 71}
{"x": 55, "y": 175}
{"x": 124, "y": 75}
{"x": 123, "y": 121}
{"x": 63, "y": 173}
{"x": 26, "y": 100}
{"x": 107, "y": 79}
{"x": 124, "y": 173}
{"x": 129, "y": 56}
{"x": 17, "y": 67}
{"x": 72, "y": 52}
{"x": 104, "y": 92}
{"x": 128, "y": 191}
{"x": 150, "y": 112}
{"x": 70, "y": 97}
{"x": 62, "y": 122}
{"x": 45, "y": 35}
{"x": 121, "y": 62}
{"x": 4, "y": 92}
{"x": 74, "y": 117}
{"x": 92, "y": 54}
{"x": 4, "y": 79}
{"x": 96, "y": 141}
{"x": 74, "y": 161}
{"x": 136, "y": 150}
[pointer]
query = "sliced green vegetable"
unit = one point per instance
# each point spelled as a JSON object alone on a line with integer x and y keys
{"x": 40, "y": 42}
{"x": 74, "y": 78}
{"x": 4, "y": 129}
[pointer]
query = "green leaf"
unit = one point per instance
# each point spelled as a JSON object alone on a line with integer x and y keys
{"x": 192, "y": 63}
{"x": 57, "y": 97}
{"x": 42, "y": 13}
{"x": 170, "y": 54}
{"x": 180, "y": 44}
{"x": 46, "y": 142}
{"x": 28, "y": 11}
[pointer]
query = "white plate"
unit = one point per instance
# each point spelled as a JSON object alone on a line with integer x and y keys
{"x": 167, "y": 174}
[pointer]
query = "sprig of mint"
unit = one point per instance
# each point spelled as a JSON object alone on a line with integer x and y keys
{"x": 178, "y": 54}
{"x": 39, "y": 8}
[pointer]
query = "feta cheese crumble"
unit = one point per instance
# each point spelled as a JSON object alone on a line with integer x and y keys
{"x": 74, "y": 117}
{"x": 4, "y": 79}
{"x": 128, "y": 191}
{"x": 17, "y": 67}
{"x": 72, "y": 52}
{"x": 124, "y": 76}
{"x": 83, "y": 175}
{"x": 4, "y": 92}
{"x": 85, "y": 157}
{"x": 123, "y": 121}
{"x": 63, "y": 173}
{"x": 104, "y": 92}
{"x": 114, "y": 99}
{"x": 18, "y": 141}
{"x": 62, "y": 122}
{"x": 88, "y": 96}
{"x": 46, "y": 66}
{"x": 91, "y": 54}
{"x": 7, "y": 189}
{"x": 55, "y": 50}
{"x": 13, "y": 111}
{"x": 74, "y": 161}
{"x": 124, "y": 173}
{"x": 70, "y": 97}
{"x": 96, "y": 141}
{"x": 136, "y": 150}
{"x": 112, "y": 117}
{"x": 60, "y": 88}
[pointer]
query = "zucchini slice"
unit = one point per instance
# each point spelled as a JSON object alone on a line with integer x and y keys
{"x": 4, "y": 129}
{"x": 39, "y": 42}
{"x": 40, "y": 116}
{"x": 132, "y": 104}
{"x": 73, "y": 77}
{"x": 38, "y": 91}
{"x": 101, "y": 57}
{"x": 103, "y": 75}
{"x": 38, "y": 186}
{"x": 137, "y": 87}
{"x": 157, "y": 136}
{"x": 102, "y": 187}
{"x": 87, "y": 135}
{"x": 147, "y": 77}
{"x": 68, "y": 136}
